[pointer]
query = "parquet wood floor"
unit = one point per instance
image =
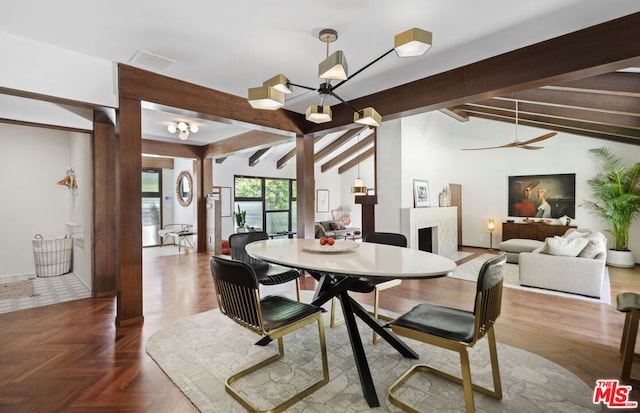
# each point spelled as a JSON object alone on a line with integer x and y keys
{"x": 70, "y": 357}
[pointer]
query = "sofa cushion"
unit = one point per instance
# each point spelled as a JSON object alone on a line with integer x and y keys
{"x": 567, "y": 247}
{"x": 518, "y": 245}
{"x": 596, "y": 246}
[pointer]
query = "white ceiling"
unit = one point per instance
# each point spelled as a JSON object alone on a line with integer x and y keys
{"x": 231, "y": 46}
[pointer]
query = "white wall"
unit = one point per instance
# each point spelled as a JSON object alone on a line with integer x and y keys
{"x": 53, "y": 71}
{"x": 32, "y": 160}
{"x": 431, "y": 149}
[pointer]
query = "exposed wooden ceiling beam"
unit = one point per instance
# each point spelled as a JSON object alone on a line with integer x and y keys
{"x": 347, "y": 153}
{"x": 591, "y": 101}
{"x": 456, "y": 114}
{"x": 336, "y": 144}
{"x": 562, "y": 59}
{"x": 249, "y": 140}
{"x": 180, "y": 150}
{"x": 292, "y": 154}
{"x": 616, "y": 83}
{"x": 355, "y": 161}
{"x": 286, "y": 158}
{"x": 604, "y": 118}
{"x": 258, "y": 156}
{"x": 580, "y": 128}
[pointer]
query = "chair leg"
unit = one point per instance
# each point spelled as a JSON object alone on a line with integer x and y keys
{"x": 467, "y": 384}
{"x": 298, "y": 288}
{"x": 333, "y": 323}
{"x": 628, "y": 344}
{"x": 297, "y": 397}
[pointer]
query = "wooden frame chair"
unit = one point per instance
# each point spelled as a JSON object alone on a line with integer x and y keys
{"x": 239, "y": 299}
{"x": 268, "y": 274}
{"x": 629, "y": 303}
{"x": 457, "y": 330}
{"x": 374, "y": 285}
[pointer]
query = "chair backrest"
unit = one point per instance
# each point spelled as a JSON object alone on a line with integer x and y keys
{"x": 388, "y": 238}
{"x": 237, "y": 243}
{"x": 237, "y": 291}
{"x": 489, "y": 294}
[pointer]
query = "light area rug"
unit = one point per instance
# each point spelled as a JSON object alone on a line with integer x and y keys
{"x": 469, "y": 271}
{"x": 199, "y": 352}
{"x": 16, "y": 289}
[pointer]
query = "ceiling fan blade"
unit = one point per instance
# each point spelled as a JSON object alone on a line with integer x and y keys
{"x": 530, "y": 147}
{"x": 540, "y": 138}
{"x": 508, "y": 145}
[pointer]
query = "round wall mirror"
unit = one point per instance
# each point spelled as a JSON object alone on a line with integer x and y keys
{"x": 184, "y": 188}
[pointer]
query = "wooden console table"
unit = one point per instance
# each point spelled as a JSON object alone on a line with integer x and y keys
{"x": 532, "y": 230}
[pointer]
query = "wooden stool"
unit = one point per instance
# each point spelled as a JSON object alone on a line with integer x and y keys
{"x": 629, "y": 303}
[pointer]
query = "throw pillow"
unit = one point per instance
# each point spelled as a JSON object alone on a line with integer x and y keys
{"x": 337, "y": 226}
{"x": 565, "y": 247}
{"x": 596, "y": 246}
{"x": 574, "y": 233}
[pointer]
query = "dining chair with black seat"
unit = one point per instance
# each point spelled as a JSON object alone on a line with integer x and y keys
{"x": 268, "y": 274}
{"x": 457, "y": 330}
{"x": 237, "y": 290}
{"x": 375, "y": 285}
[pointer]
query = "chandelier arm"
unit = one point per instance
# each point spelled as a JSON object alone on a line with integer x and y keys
{"x": 365, "y": 67}
{"x": 343, "y": 101}
{"x": 304, "y": 87}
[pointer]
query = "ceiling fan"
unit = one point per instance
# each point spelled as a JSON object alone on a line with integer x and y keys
{"x": 516, "y": 143}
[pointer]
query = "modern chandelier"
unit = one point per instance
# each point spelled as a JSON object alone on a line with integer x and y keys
{"x": 183, "y": 129}
{"x": 271, "y": 95}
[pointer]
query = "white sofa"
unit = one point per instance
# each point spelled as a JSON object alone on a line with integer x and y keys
{"x": 557, "y": 266}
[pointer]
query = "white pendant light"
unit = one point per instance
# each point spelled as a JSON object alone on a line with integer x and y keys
{"x": 414, "y": 42}
{"x": 318, "y": 113}
{"x": 358, "y": 187}
{"x": 367, "y": 116}
{"x": 265, "y": 97}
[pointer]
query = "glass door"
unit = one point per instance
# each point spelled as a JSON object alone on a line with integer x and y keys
{"x": 151, "y": 206}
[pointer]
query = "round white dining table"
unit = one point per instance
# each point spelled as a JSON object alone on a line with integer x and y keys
{"x": 339, "y": 266}
{"x": 352, "y": 258}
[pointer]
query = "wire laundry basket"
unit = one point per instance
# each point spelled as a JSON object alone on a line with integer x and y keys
{"x": 52, "y": 256}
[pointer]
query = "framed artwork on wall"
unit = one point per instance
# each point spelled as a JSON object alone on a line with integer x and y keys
{"x": 420, "y": 193}
{"x": 322, "y": 200}
{"x": 542, "y": 196}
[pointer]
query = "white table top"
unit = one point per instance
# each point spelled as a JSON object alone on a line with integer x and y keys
{"x": 368, "y": 259}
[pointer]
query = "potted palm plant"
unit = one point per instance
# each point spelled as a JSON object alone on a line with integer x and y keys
{"x": 616, "y": 189}
{"x": 241, "y": 219}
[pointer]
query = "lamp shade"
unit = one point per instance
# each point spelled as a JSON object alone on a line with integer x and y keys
{"x": 367, "y": 116}
{"x": 280, "y": 83}
{"x": 358, "y": 187}
{"x": 413, "y": 42}
{"x": 318, "y": 113}
{"x": 491, "y": 226}
{"x": 334, "y": 67}
{"x": 265, "y": 97}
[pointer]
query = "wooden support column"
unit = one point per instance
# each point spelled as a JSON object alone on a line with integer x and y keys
{"x": 104, "y": 202}
{"x": 368, "y": 203}
{"x": 205, "y": 179}
{"x": 128, "y": 250}
{"x": 204, "y": 187}
{"x": 306, "y": 186}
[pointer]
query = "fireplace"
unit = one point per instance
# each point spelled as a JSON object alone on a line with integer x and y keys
{"x": 428, "y": 239}
{"x": 431, "y": 229}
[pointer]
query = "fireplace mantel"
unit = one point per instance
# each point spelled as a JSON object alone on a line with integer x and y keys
{"x": 445, "y": 219}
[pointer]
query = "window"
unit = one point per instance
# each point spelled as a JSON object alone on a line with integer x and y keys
{"x": 270, "y": 202}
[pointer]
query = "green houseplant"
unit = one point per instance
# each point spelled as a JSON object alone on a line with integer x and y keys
{"x": 616, "y": 190}
{"x": 241, "y": 217}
